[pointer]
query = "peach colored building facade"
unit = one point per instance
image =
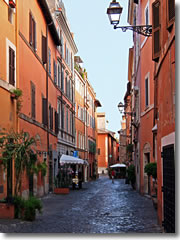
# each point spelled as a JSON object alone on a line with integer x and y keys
{"x": 153, "y": 91}
{"x": 8, "y": 82}
{"x": 107, "y": 145}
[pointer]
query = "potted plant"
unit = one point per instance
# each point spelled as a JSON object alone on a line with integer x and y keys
{"x": 7, "y": 208}
{"x": 131, "y": 175}
{"x": 151, "y": 170}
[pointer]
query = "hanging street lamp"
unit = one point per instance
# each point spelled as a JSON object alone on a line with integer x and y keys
{"x": 114, "y": 13}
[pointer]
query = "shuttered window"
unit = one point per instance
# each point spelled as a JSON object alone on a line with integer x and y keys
{"x": 49, "y": 61}
{"x": 62, "y": 117}
{"x": 170, "y": 13}
{"x": 147, "y": 92}
{"x": 33, "y": 101}
{"x": 62, "y": 78}
{"x": 156, "y": 27}
{"x": 50, "y": 117}
{"x": 11, "y": 66}
{"x": 56, "y": 117}
{"x": 44, "y": 111}
{"x": 44, "y": 49}
{"x": 59, "y": 76}
{"x": 32, "y": 32}
{"x": 67, "y": 120}
{"x": 55, "y": 71}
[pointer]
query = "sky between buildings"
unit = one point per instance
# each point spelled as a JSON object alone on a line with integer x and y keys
{"x": 104, "y": 52}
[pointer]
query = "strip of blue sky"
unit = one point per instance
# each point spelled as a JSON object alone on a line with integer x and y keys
{"x": 104, "y": 52}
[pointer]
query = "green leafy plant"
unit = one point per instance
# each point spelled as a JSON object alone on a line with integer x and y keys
{"x": 26, "y": 209}
{"x": 20, "y": 148}
{"x": 30, "y": 207}
{"x": 131, "y": 175}
{"x": 42, "y": 167}
{"x": 151, "y": 170}
{"x": 18, "y": 95}
{"x": 129, "y": 148}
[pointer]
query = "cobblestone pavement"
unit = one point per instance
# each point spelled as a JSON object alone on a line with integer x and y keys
{"x": 100, "y": 207}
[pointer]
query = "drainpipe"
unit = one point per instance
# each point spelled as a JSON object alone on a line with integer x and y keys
{"x": 47, "y": 114}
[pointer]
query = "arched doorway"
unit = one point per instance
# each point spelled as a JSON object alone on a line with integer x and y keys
{"x": 146, "y": 160}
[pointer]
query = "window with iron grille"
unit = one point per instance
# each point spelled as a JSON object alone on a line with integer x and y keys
{"x": 11, "y": 66}
{"x": 33, "y": 101}
{"x": 156, "y": 30}
{"x": 32, "y": 32}
{"x": 170, "y": 13}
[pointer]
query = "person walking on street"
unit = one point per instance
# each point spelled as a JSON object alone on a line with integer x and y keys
{"x": 113, "y": 175}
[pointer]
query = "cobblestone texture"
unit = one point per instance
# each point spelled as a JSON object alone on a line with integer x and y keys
{"x": 100, "y": 207}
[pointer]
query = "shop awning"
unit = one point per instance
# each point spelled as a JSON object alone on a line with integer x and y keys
{"x": 66, "y": 159}
{"x": 118, "y": 165}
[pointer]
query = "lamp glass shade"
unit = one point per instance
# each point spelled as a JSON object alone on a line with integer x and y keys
{"x": 114, "y": 12}
{"x": 120, "y": 107}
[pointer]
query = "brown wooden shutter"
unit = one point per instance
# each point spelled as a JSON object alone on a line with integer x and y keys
{"x": 44, "y": 111}
{"x": 44, "y": 49}
{"x": 56, "y": 122}
{"x": 30, "y": 28}
{"x": 11, "y": 66}
{"x": 170, "y": 13}
{"x": 156, "y": 27}
{"x": 34, "y": 36}
{"x": 33, "y": 101}
{"x": 51, "y": 126}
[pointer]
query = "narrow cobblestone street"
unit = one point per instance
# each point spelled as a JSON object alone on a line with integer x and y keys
{"x": 100, "y": 207}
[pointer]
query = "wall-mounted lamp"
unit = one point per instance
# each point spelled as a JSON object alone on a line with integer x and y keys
{"x": 114, "y": 13}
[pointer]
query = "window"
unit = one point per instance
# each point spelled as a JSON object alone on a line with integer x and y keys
{"x": 44, "y": 49}
{"x": 62, "y": 116}
{"x": 59, "y": 113}
{"x": 50, "y": 117}
{"x": 59, "y": 76}
{"x": 32, "y": 32}
{"x": 62, "y": 78}
{"x": 11, "y": 66}
{"x": 33, "y": 101}
{"x": 170, "y": 13}
{"x": 71, "y": 122}
{"x": 62, "y": 46}
{"x": 49, "y": 61}
{"x": 156, "y": 30}
{"x": 56, "y": 123}
{"x": 67, "y": 120}
{"x": 44, "y": 111}
{"x": 147, "y": 91}
{"x": 55, "y": 72}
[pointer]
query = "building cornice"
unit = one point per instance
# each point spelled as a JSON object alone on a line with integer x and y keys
{"x": 62, "y": 21}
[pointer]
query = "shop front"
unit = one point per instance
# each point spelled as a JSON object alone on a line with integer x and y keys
{"x": 70, "y": 172}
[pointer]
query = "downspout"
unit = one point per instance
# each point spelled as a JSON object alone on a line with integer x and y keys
{"x": 47, "y": 113}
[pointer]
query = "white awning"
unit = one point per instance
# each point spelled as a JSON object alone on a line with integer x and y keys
{"x": 66, "y": 159}
{"x": 118, "y": 165}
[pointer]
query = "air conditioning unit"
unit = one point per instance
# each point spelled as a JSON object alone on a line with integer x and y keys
{"x": 12, "y": 3}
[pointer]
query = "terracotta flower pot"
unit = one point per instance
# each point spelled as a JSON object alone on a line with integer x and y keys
{"x": 61, "y": 190}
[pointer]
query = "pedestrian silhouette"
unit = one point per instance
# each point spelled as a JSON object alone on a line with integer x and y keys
{"x": 113, "y": 175}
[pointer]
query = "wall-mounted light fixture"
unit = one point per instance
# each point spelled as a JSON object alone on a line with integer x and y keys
{"x": 114, "y": 13}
